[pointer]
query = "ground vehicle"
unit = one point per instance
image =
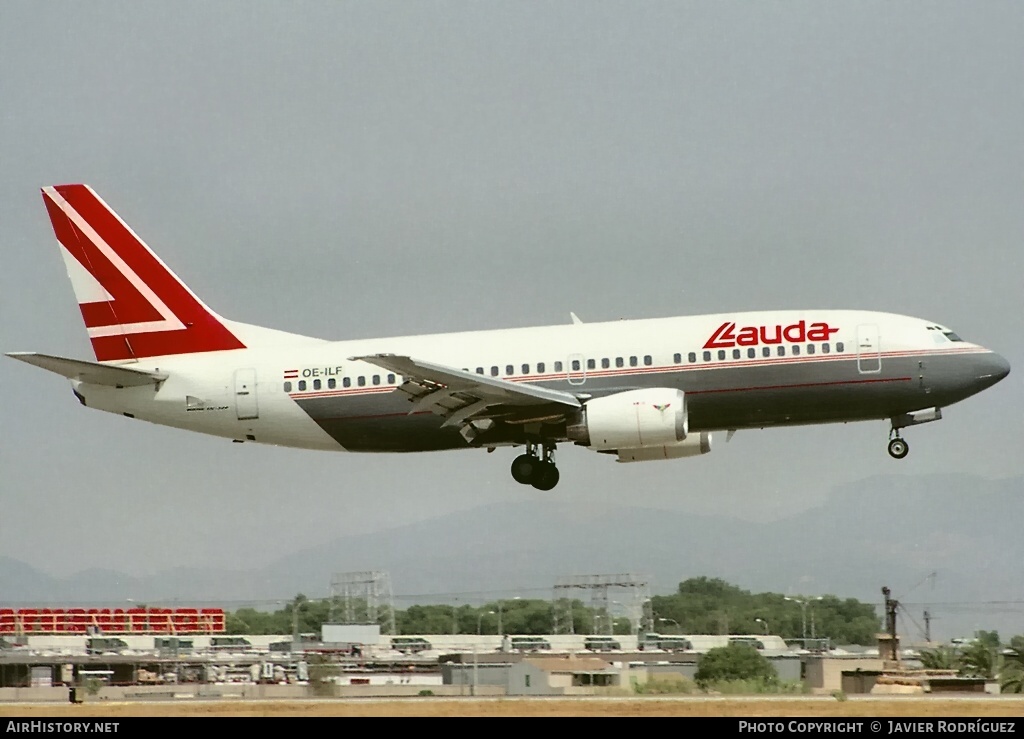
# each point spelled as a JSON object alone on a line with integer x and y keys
{"x": 601, "y": 644}
{"x": 230, "y": 642}
{"x": 529, "y": 643}
{"x": 410, "y": 644}
{"x": 749, "y": 641}
{"x": 173, "y": 644}
{"x": 667, "y": 643}
{"x": 101, "y": 645}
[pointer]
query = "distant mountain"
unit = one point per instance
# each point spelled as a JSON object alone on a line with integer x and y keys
{"x": 948, "y": 543}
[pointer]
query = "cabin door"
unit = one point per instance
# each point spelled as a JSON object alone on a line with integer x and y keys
{"x": 245, "y": 394}
{"x": 869, "y": 355}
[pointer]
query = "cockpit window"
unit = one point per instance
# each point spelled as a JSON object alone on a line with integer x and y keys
{"x": 945, "y": 332}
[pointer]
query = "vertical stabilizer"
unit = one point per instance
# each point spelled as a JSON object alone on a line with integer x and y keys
{"x": 132, "y": 304}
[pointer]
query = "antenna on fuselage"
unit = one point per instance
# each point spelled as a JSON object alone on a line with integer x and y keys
{"x": 575, "y": 318}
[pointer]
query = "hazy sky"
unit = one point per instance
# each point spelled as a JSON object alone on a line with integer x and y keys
{"x": 345, "y": 169}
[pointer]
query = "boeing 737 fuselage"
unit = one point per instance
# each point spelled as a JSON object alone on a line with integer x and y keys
{"x": 640, "y": 389}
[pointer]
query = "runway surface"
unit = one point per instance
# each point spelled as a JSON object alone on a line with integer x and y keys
{"x": 755, "y": 706}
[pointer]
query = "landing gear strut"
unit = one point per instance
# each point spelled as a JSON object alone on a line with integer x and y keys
{"x": 536, "y": 469}
{"x": 898, "y": 448}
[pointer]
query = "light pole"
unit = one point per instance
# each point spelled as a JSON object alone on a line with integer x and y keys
{"x": 670, "y": 620}
{"x": 803, "y": 613}
{"x": 763, "y": 623}
{"x": 501, "y": 629}
{"x": 480, "y": 618}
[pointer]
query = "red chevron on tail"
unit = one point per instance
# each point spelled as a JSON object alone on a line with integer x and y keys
{"x": 132, "y": 304}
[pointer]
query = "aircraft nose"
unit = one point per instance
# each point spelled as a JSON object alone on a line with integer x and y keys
{"x": 993, "y": 368}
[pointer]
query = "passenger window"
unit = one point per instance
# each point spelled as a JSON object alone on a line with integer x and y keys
{"x": 287, "y": 387}
{"x": 509, "y": 369}
{"x": 633, "y": 361}
{"x": 605, "y": 364}
{"x": 494, "y": 370}
{"x": 540, "y": 368}
{"x": 576, "y": 365}
{"x": 526, "y": 369}
{"x": 824, "y": 348}
{"x": 619, "y": 362}
{"x": 721, "y": 354}
{"x": 647, "y": 360}
{"x": 591, "y": 364}
{"x": 346, "y": 381}
{"x": 781, "y": 351}
{"x": 479, "y": 370}
{"x": 677, "y": 358}
{"x": 391, "y": 379}
{"x": 361, "y": 382}
{"x": 796, "y": 349}
{"x": 692, "y": 356}
{"x": 558, "y": 366}
{"x": 332, "y": 383}
{"x": 751, "y": 353}
{"x": 839, "y": 346}
{"x": 316, "y": 384}
{"x": 302, "y": 384}
{"x": 766, "y": 351}
{"x": 376, "y": 379}
{"x": 810, "y": 348}
{"x": 707, "y": 356}
{"x": 736, "y": 354}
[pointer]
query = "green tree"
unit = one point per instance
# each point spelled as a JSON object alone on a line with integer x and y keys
{"x": 988, "y": 638}
{"x": 712, "y": 606}
{"x": 428, "y": 619}
{"x": 941, "y": 658}
{"x": 1011, "y": 678}
{"x": 701, "y": 605}
{"x": 734, "y": 662}
{"x": 251, "y": 621}
{"x": 979, "y": 659}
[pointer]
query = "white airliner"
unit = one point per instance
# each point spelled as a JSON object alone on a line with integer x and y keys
{"x": 641, "y": 390}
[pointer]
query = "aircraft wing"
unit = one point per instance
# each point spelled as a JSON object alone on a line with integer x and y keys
{"x": 91, "y": 372}
{"x": 463, "y": 396}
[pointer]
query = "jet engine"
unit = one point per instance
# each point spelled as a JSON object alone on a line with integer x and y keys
{"x": 635, "y": 419}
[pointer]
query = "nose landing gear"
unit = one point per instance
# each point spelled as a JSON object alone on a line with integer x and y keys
{"x": 898, "y": 448}
{"x": 535, "y": 469}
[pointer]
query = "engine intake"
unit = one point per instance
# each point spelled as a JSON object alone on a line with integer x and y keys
{"x": 634, "y": 419}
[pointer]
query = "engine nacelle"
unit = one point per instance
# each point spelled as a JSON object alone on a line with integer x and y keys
{"x": 692, "y": 446}
{"x": 631, "y": 420}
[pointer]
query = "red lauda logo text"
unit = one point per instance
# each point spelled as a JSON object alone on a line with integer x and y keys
{"x": 728, "y": 335}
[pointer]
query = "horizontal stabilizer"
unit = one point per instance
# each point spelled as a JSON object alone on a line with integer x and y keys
{"x": 91, "y": 372}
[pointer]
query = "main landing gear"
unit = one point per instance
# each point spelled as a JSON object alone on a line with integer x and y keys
{"x": 536, "y": 469}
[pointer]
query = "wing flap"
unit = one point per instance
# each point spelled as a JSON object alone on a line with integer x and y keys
{"x": 92, "y": 373}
